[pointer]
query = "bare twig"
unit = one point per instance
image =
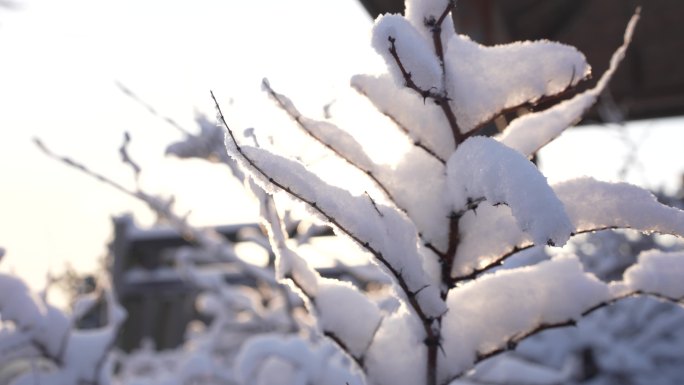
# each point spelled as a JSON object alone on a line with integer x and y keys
{"x": 151, "y": 109}
{"x": 126, "y": 158}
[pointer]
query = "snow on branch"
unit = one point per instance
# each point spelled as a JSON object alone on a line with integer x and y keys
{"x": 595, "y": 205}
{"x": 513, "y": 303}
{"x": 484, "y": 81}
{"x": 483, "y": 168}
{"x": 531, "y": 132}
{"x": 340, "y": 142}
{"x": 591, "y": 205}
{"x": 657, "y": 273}
{"x": 343, "y": 313}
{"x": 428, "y": 130}
{"x": 394, "y": 37}
{"x": 382, "y": 230}
{"x": 481, "y": 247}
{"x": 432, "y": 19}
{"x": 275, "y": 359}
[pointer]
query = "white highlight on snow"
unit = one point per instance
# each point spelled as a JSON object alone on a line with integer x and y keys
{"x": 483, "y": 168}
{"x": 397, "y": 355}
{"x": 531, "y": 132}
{"x": 657, "y": 272}
{"x": 348, "y": 314}
{"x": 401, "y": 104}
{"x": 483, "y": 81}
{"x": 326, "y": 133}
{"x": 595, "y": 205}
{"x": 416, "y": 55}
{"x": 480, "y": 246}
{"x": 487, "y": 313}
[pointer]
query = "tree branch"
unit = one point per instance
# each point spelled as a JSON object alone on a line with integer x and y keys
{"x": 416, "y": 142}
{"x": 436, "y": 29}
{"x": 513, "y": 342}
{"x": 396, "y": 274}
{"x": 441, "y": 99}
{"x": 289, "y": 108}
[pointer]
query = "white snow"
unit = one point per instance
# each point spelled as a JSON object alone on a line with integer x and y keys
{"x": 487, "y": 313}
{"x": 384, "y": 229}
{"x": 483, "y": 168}
{"x": 18, "y": 304}
{"x": 658, "y": 272}
{"x": 397, "y": 355}
{"x": 270, "y": 359}
{"x": 418, "y": 185}
{"x": 590, "y": 205}
{"x": 418, "y": 11}
{"x": 479, "y": 244}
{"x": 347, "y": 313}
{"x": 595, "y": 205}
{"x": 325, "y": 132}
{"x": 484, "y": 81}
{"x": 416, "y": 55}
{"x": 531, "y": 132}
{"x": 423, "y": 120}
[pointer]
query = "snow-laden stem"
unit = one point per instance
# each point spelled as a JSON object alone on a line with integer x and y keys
{"x": 303, "y": 123}
{"x": 440, "y": 98}
{"x": 432, "y": 336}
{"x": 437, "y": 31}
{"x": 402, "y": 128}
{"x": 512, "y": 343}
{"x": 278, "y": 236}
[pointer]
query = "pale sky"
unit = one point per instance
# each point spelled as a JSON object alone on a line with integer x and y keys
{"x": 59, "y": 64}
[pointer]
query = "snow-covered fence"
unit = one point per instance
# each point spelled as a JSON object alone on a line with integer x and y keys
{"x": 455, "y": 206}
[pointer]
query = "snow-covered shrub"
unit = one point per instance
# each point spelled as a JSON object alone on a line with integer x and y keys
{"x": 40, "y": 344}
{"x": 455, "y": 206}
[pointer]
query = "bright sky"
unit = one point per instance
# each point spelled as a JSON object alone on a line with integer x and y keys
{"x": 59, "y": 64}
